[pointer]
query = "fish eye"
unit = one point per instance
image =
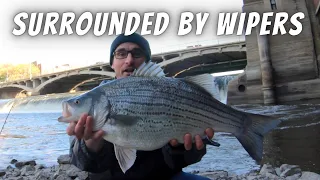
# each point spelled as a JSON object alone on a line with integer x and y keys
{"x": 77, "y": 102}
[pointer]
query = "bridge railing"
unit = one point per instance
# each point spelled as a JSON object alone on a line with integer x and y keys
{"x": 197, "y": 44}
{"x": 164, "y": 49}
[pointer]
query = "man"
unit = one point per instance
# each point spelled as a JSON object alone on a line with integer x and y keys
{"x": 90, "y": 152}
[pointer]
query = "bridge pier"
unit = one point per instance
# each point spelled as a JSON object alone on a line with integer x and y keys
{"x": 43, "y": 79}
{"x": 29, "y": 83}
{"x": 281, "y": 69}
{"x": 266, "y": 70}
{"x": 36, "y": 83}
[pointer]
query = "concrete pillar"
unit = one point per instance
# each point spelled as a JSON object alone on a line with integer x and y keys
{"x": 44, "y": 79}
{"x": 266, "y": 70}
{"x": 29, "y": 84}
{"x": 36, "y": 83}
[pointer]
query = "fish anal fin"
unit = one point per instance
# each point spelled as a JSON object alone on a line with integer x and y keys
{"x": 125, "y": 156}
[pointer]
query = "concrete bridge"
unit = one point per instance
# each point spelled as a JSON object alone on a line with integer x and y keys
{"x": 281, "y": 69}
{"x": 189, "y": 61}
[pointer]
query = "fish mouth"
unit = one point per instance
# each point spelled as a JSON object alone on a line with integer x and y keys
{"x": 66, "y": 114}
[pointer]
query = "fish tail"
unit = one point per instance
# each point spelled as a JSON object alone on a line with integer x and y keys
{"x": 252, "y": 138}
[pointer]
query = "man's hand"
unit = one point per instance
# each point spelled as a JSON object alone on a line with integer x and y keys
{"x": 82, "y": 129}
{"x": 198, "y": 141}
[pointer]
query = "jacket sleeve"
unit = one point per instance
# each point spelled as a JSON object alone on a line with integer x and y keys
{"x": 178, "y": 157}
{"x": 90, "y": 161}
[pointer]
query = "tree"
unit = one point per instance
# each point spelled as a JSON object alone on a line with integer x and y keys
{"x": 10, "y": 72}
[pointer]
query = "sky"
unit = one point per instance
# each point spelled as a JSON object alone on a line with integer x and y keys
{"x": 84, "y": 50}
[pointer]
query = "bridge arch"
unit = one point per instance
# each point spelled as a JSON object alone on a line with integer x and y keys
{"x": 66, "y": 82}
{"x": 12, "y": 90}
{"x": 206, "y": 61}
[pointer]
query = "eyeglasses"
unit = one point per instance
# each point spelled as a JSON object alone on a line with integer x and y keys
{"x": 122, "y": 53}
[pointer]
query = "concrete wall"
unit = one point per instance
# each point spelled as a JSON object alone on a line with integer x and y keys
{"x": 293, "y": 58}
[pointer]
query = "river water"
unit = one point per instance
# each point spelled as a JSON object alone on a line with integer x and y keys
{"x": 32, "y": 132}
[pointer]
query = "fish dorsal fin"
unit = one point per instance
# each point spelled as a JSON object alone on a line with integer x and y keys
{"x": 207, "y": 82}
{"x": 149, "y": 69}
{"x": 125, "y": 156}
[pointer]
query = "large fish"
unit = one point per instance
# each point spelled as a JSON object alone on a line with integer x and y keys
{"x": 146, "y": 110}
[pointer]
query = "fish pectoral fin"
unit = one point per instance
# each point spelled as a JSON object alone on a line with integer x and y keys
{"x": 207, "y": 82}
{"x": 149, "y": 69}
{"x": 125, "y": 156}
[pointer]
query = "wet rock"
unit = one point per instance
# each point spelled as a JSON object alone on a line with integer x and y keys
{"x": 2, "y": 172}
{"x": 19, "y": 164}
{"x": 64, "y": 159}
{"x": 13, "y": 161}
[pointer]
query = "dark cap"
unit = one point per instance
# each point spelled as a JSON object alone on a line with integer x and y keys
{"x": 134, "y": 38}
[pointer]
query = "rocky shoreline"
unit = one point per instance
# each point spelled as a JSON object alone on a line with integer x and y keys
{"x": 29, "y": 170}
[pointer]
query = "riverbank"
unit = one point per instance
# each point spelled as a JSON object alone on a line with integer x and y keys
{"x": 30, "y": 170}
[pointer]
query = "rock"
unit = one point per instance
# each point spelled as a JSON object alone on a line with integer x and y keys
{"x": 267, "y": 168}
{"x": 63, "y": 177}
{"x": 15, "y": 178}
{"x": 278, "y": 172}
{"x": 15, "y": 173}
{"x": 82, "y": 175}
{"x": 10, "y": 168}
{"x": 27, "y": 170}
{"x": 309, "y": 176}
{"x": 215, "y": 174}
{"x": 72, "y": 171}
{"x": 64, "y": 159}
{"x": 291, "y": 170}
{"x": 19, "y": 164}
{"x": 39, "y": 166}
{"x": 13, "y": 161}
{"x": 2, "y": 172}
{"x": 43, "y": 174}
{"x": 293, "y": 177}
{"x": 32, "y": 163}
{"x": 284, "y": 167}
{"x": 271, "y": 176}
{"x": 251, "y": 177}
{"x": 64, "y": 167}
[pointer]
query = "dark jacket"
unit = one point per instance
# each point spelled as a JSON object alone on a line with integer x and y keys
{"x": 158, "y": 164}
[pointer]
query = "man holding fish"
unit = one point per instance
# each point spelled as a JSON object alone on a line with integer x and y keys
{"x": 90, "y": 152}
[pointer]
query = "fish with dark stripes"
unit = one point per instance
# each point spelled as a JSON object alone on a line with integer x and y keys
{"x": 146, "y": 110}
